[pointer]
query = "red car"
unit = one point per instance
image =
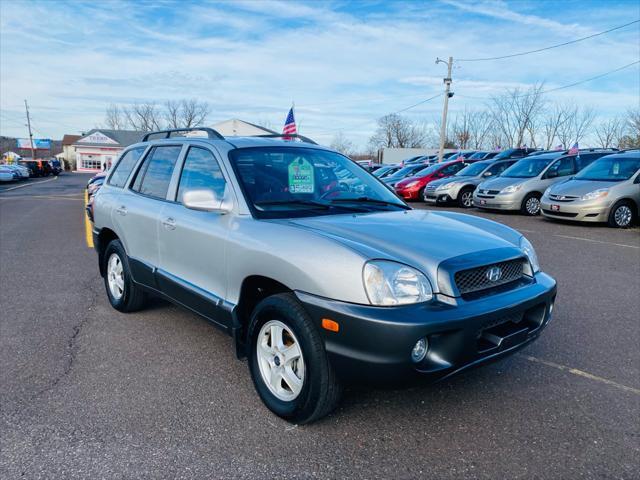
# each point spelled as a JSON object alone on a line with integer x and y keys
{"x": 412, "y": 188}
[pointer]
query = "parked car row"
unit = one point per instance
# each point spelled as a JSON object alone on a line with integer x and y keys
{"x": 26, "y": 169}
{"x": 93, "y": 185}
{"x": 594, "y": 185}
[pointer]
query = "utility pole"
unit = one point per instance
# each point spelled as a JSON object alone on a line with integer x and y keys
{"x": 33, "y": 150}
{"x": 447, "y": 94}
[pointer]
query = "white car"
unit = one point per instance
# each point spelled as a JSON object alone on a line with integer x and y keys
{"x": 23, "y": 172}
{"x": 6, "y": 174}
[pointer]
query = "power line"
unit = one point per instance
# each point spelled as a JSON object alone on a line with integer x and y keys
{"x": 563, "y": 86}
{"x": 550, "y": 47}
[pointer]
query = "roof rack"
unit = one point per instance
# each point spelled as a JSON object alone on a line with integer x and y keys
{"x": 287, "y": 135}
{"x": 211, "y": 133}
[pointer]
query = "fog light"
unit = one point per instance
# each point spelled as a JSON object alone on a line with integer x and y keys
{"x": 419, "y": 350}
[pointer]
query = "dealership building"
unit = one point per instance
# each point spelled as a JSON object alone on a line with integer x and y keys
{"x": 99, "y": 148}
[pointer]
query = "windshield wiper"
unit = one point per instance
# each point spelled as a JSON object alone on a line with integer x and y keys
{"x": 304, "y": 203}
{"x": 369, "y": 200}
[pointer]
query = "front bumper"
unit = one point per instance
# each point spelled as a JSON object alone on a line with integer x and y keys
{"x": 578, "y": 211}
{"x": 409, "y": 193}
{"x": 374, "y": 344}
{"x": 497, "y": 202}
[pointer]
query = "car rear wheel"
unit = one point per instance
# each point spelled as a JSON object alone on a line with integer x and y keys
{"x": 622, "y": 215}
{"x": 531, "y": 205}
{"x": 124, "y": 295}
{"x": 288, "y": 363}
{"x": 465, "y": 198}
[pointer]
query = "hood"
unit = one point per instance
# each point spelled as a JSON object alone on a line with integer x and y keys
{"x": 408, "y": 180}
{"x": 577, "y": 188}
{"x": 499, "y": 183}
{"x": 419, "y": 238}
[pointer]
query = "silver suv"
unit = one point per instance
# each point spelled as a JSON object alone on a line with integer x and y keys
{"x": 608, "y": 190}
{"x": 460, "y": 187}
{"x": 319, "y": 273}
{"x": 521, "y": 186}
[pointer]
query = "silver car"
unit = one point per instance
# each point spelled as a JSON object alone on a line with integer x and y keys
{"x": 520, "y": 187}
{"x": 608, "y": 190}
{"x": 318, "y": 284}
{"x": 460, "y": 187}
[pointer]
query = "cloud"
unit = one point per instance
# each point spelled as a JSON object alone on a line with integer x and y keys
{"x": 343, "y": 64}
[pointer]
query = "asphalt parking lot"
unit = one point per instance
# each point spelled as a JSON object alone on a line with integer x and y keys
{"x": 87, "y": 392}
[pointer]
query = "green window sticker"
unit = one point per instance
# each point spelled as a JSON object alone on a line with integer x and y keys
{"x": 301, "y": 176}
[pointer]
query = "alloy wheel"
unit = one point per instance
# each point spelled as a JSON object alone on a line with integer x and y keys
{"x": 623, "y": 216}
{"x": 115, "y": 276}
{"x": 467, "y": 198}
{"x": 280, "y": 360}
{"x": 533, "y": 206}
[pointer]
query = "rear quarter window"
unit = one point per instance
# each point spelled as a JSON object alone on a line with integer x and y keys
{"x": 123, "y": 168}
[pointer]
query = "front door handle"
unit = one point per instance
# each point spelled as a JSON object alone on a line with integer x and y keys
{"x": 169, "y": 223}
{"x": 122, "y": 210}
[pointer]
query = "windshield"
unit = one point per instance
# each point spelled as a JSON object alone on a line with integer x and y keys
{"x": 528, "y": 167}
{"x": 382, "y": 171}
{"x": 282, "y": 182}
{"x": 506, "y": 153}
{"x": 405, "y": 171}
{"x": 477, "y": 156}
{"x": 610, "y": 169}
{"x": 429, "y": 170}
{"x": 473, "y": 170}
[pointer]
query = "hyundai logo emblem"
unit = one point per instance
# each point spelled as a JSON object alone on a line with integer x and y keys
{"x": 494, "y": 274}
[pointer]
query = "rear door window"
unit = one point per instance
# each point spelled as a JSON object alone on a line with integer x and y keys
{"x": 123, "y": 168}
{"x": 499, "y": 167}
{"x": 563, "y": 167}
{"x": 154, "y": 175}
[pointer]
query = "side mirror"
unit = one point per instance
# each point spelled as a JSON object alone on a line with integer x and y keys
{"x": 487, "y": 174}
{"x": 552, "y": 174}
{"x": 205, "y": 200}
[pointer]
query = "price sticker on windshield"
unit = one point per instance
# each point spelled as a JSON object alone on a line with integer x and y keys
{"x": 301, "y": 176}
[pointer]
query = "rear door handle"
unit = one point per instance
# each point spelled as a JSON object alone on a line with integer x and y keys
{"x": 121, "y": 210}
{"x": 169, "y": 223}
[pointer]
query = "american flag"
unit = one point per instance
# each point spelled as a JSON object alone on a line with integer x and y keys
{"x": 559, "y": 147}
{"x": 573, "y": 150}
{"x": 289, "y": 124}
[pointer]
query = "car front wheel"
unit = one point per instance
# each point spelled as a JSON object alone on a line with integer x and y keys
{"x": 288, "y": 362}
{"x": 622, "y": 215}
{"x": 531, "y": 205}
{"x": 465, "y": 198}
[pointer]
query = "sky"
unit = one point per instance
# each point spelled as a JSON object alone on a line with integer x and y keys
{"x": 343, "y": 63}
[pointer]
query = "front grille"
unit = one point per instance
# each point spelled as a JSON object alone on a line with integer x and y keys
{"x": 481, "y": 278}
{"x": 563, "y": 198}
{"x": 430, "y": 188}
{"x": 556, "y": 213}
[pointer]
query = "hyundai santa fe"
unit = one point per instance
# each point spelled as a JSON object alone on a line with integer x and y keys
{"x": 318, "y": 272}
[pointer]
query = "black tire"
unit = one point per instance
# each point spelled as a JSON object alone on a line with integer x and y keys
{"x": 321, "y": 390}
{"x": 526, "y": 207}
{"x": 464, "y": 195}
{"x": 622, "y": 215}
{"x": 133, "y": 297}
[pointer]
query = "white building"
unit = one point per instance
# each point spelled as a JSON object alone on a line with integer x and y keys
{"x": 239, "y": 128}
{"x": 99, "y": 148}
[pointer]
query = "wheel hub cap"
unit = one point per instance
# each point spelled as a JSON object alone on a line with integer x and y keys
{"x": 115, "y": 276}
{"x": 533, "y": 205}
{"x": 623, "y": 216}
{"x": 280, "y": 360}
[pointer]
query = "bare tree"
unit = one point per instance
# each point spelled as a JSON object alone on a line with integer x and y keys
{"x": 551, "y": 124}
{"x": 576, "y": 125}
{"x": 342, "y": 144}
{"x": 398, "y": 132}
{"x": 144, "y": 117}
{"x": 114, "y": 118}
{"x": 186, "y": 113}
{"x": 610, "y": 133}
{"x": 471, "y": 129}
{"x": 631, "y": 139}
{"x": 516, "y": 114}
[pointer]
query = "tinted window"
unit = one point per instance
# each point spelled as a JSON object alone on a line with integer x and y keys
{"x": 530, "y": 167}
{"x": 562, "y": 167}
{"x": 587, "y": 159}
{"x": 201, "y": 171}
{"x": 453, "y": 168}
{"x": 155, "y": 173}
{"x": 473, "y": 169}
{"x": 123, "y": 168}
{"x": 498, "y": 168}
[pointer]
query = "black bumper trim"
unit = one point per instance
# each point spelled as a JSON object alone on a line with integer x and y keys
{"x": 374, "y": 343}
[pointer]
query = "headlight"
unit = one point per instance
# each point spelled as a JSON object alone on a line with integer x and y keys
{"x": 511, "y": 188}
{"x": 412, "y": 184}
{"x": 527, "y": 249}
{"x": 389, "y": 283}
{"x": 600, "y": 193}
{"x": 449, "y": 185}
